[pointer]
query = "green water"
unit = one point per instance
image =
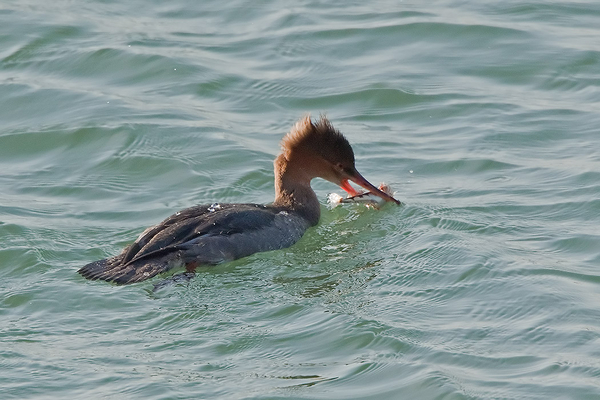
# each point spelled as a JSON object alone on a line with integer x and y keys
{"x": 484, "y": 116}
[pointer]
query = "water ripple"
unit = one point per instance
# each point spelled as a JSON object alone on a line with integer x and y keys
{"x": 483, "y": 118}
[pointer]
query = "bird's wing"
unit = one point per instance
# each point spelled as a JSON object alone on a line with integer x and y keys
{"x": 189, "y": 224}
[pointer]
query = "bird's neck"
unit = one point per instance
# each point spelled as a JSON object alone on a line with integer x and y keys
{"x": 293, "y": 191}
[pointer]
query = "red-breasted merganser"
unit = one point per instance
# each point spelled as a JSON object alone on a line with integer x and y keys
{"x": 211, "y": 234}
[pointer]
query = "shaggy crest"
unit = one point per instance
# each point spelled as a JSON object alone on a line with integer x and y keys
{"x": 319, "y": 137}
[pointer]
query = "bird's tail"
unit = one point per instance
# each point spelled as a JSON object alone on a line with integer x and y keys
{"x": 113, "y": 270}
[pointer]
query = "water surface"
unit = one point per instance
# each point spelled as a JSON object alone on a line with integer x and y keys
{"x": 482, "y": 115}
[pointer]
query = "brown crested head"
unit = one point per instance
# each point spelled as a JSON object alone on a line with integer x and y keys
{"x": 319, "y": 139}
{"x": 318, "y": 149}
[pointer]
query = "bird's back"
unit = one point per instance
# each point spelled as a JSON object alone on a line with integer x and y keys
{"x": 201, "y": 235}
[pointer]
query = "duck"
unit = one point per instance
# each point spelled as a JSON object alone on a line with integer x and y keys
{"x": 211, "y": 234}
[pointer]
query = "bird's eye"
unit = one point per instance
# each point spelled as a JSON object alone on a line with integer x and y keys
{"x": 344, "y": 169}
{"x": 340, "y": 167}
